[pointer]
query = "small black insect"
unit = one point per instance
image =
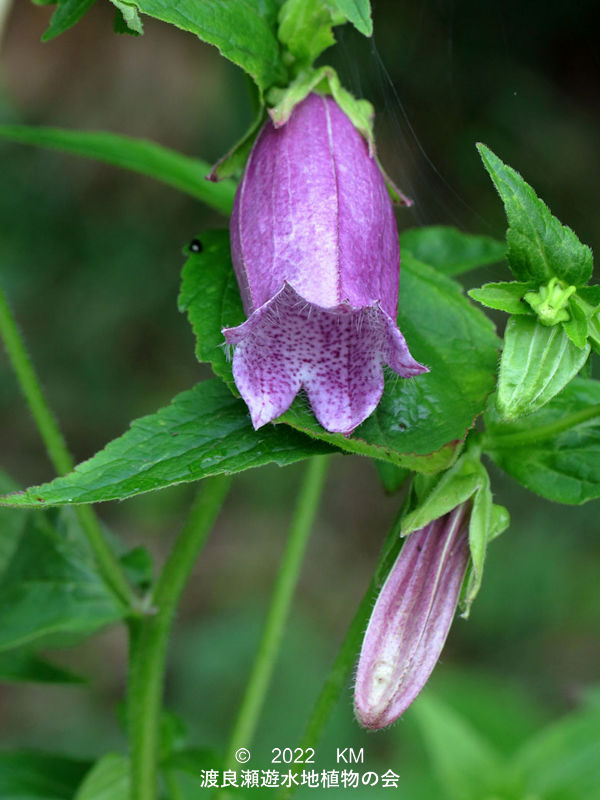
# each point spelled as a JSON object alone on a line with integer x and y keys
{"x": 196, "y": 246}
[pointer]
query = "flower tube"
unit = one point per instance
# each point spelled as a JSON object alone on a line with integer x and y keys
{"x": 315, "y": 250}
{"x": 411, "y": 619}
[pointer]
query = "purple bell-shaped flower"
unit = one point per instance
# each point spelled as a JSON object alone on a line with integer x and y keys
{"x": 315, "y": 249}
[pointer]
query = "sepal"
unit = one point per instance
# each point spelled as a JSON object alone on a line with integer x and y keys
{"x": 434, "y": 496}
{"x": 506, "y": 296}
{"x": 323, "y": 80}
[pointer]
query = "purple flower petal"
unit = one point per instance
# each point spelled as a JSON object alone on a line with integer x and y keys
{"x": 411, "y": 619}
{"x": 315, "y": 250}
{"x": 337, "y": 354}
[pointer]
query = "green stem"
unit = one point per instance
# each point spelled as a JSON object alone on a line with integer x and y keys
{"x": 494, "y": 440}
{"x": 108, "y": 564}
{"x": 149, "y": 639}
{"x": 287, "y": 578}
{"x": 348, "y": 653}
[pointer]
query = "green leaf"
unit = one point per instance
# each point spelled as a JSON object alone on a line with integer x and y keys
{"x": 211, "y": 298}
{"x": 108, "y": 779}
{"x": 305, "y": 28}
{"x": 120, "y": 25}
{"x": 12, "y": 524}
{"x": 67, "y": 14}
{"x": 139, "y": 568}
{"x": 563, "y": 760}
{"x": 465, "y": 763}
{"x": 480, "y": 533}
{"x": 539, "y": 246}
{"x": 590, "y": 295}
{"x": 466, "y": 480}
{"x": 242, "y": 30}
{"x": 130, "y": 16}
{"x": 29, "y": 775}
{"x": 594, "y": 332}
{"x": 358, "y": 12}
{"x": 537, "y": 362}
{"x": 182, "y": 172}
{"x": 51, "y": 587}
{"x": 419, "y": 422}
{"x": 576, "y": 327}
{"x": 205, "y": 431}
{"x": 556, "y": 451}
{"x": 444, "y": 493}
{"x": 21, "y": 666}
{"x": 449, "y": 250}
{"x": 504, "y": 296}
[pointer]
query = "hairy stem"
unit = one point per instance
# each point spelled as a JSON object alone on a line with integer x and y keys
{"x": 287, "y": 578}
{"x": 108, "y": 564}
{"x": 149, "y": 639}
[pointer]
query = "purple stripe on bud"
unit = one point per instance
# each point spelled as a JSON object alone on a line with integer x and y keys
{"x": 315, "y": 251}
{"x": 411, "y": 619}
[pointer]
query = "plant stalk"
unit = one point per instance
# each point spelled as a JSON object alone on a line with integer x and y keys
{"x": 287, "y": 578}
{"x": 149, "y": 638}
{"x": 108, "y": 565}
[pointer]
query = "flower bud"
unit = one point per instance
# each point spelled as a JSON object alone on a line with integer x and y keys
{"x": 315, "y": 250}
{"x": 411, "y": 619}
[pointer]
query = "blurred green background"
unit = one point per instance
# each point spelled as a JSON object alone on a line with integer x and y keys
{"x": 90, "y": 259}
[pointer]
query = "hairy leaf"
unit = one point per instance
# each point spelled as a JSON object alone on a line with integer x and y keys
{"x": 243, "y": 30}
{"x": 539, "y": 246}
{"x": 30, "y": 775}
{"x": 50, "y": 586}
{"x": 562, "y": 760}
{"x": 358, "y": 12}
{"x": 467, "y": 765}
{"x": 449, "y": 250}
{"x": 556, "y": 451}
{"x": 537, "y": 362}
{"x": 168, "y": 166}
{"x": 305, "y": 28}
{"x": 205, "y": 431}
{"x": 12, "y": 524}
{"x": 67, "y": 14}
{"x": 211, "y": 298}
{"x": 108, "y": 779}
{"x": 504, "y": 296}
{"x": 21, "y": 666}
{"x": 129, "y": 15}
